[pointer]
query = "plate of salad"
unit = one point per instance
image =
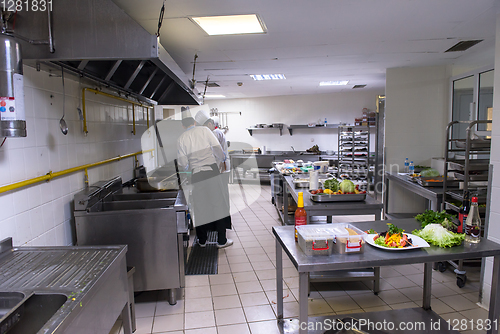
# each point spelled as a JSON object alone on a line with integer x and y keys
{"x": 394, "y": 239}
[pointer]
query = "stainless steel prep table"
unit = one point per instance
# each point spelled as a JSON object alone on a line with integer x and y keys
{"x": 90, "y": 282}
{"x": 433, "y": 194}
{"x": 368, "y": 207}
{"x": 376, "y": 257}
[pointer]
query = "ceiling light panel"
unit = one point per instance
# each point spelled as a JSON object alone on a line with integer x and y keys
{"x": 334, "y": 83}
{"x": 230, "y": 24}
{"x": 268, "y": 76}
{"x": 215, "y": 96}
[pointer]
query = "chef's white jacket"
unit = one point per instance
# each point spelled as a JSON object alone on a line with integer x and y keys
{"x": 198, "y": 148}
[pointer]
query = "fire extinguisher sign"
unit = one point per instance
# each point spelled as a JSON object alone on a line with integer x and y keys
{"x": 8, "y": 108}
{"x": 12, "y": 107}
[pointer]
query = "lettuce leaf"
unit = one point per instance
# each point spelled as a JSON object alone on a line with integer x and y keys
{"x": 437, "y": 235}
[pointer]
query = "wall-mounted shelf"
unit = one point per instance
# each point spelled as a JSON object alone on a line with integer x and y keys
{"x": 301, "y": 126}
{"x": 250, "y": 130}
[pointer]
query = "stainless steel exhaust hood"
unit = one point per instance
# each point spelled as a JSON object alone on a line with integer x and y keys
{"x": 99, "y": 40}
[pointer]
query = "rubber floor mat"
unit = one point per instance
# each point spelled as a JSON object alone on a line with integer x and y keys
{"x": 203, "y": 261}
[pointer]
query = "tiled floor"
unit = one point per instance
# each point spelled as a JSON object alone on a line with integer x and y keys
{"x": 241, "y": 298}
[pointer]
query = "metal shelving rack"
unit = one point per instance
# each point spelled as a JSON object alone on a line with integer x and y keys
{"x": 354, "y": 152}
{"x": 468, "y": 160}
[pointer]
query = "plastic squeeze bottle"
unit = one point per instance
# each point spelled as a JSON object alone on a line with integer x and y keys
{"x": 300, "y": 214}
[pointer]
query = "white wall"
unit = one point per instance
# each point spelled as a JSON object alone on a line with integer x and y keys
{"x": 494, "y": 219}
{"x": 291, "y": 110}
{"x": 416, "y": 112}
{"x": 416, "y": 115}
{"x": 41, "y": 215}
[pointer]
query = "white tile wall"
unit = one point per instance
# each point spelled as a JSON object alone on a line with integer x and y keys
{"x": 40, "y": 215}
{"x": 494, "y": 219}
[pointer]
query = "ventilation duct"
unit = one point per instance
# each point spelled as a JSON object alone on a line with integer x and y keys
{"x": 97, "y": 39}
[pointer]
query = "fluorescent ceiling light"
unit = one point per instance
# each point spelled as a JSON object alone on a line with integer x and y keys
{"x": 230, "y": 24}
{"x": 267, "y": 76}
{"x": 334, "y": 83}
{"x": 215, "y": 95}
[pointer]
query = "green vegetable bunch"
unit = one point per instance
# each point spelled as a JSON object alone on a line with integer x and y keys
{"x": 431, "y": 172}
{"x": 433, "y": 217}
{"x": 437, "y": 235}
{"x": 347, "y": 186}
{"x": 393, "y": 229}
{"x": 332, "y": 184}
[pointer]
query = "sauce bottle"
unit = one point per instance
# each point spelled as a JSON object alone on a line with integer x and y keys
{"x": 464, "y": 211}
{"x": 300, "y": 214}
{"x": 473, "y": 224}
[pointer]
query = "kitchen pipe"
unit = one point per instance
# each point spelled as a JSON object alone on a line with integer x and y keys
{"x": 85, "y": 130}
{"x": 50, "y": 175}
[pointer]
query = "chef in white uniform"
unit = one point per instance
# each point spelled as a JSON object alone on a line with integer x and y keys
{"x": 199, "y": 152}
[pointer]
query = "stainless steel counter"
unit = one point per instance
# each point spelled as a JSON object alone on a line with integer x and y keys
{"x": 433, "y": 194}
{"x": 261, "y": 163}
{"x": 77, "y": 289}
{"x": 151, "y": 224}
{"x": 370, "y": 206}
{"x": 377, "y": 257}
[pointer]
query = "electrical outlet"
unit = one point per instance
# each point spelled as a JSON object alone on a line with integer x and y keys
{"x": 312, "y": 140}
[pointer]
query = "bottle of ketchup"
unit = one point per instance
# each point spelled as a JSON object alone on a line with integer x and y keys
{"x": 300, "y": 214}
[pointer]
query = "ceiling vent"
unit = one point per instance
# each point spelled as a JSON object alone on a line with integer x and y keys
{"x": 358, "y": 86}
{"x": 463, "y": 45}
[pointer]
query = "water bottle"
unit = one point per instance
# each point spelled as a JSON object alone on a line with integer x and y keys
{"x": 325, "y": 121}
{"x": 406, "y": 166}
{"x": 411, "y": 168}
{"x": 473, "y": 224}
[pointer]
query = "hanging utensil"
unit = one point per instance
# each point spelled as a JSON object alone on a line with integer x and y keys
{"x": 62, "y": 122}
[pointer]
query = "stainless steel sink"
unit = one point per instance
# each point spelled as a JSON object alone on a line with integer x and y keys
{"x": 133, "y": 205}
{"x": 144, "y": 196}
{"x": 8, "y": 300}
{"x": 27, "y": 315}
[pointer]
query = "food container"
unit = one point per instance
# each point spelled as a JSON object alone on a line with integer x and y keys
{"x": 337, "y": 198}
{"x": 340, "y": 238}
{"x": 436, "y": 181}
{"x": 301, "y": 182}
{"x": 315, "y": 240}
{"x": 348, "y": 239}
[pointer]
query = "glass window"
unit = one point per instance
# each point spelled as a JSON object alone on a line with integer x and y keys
{"x": 485, "y": 99}
{"x": 463, "y": 98}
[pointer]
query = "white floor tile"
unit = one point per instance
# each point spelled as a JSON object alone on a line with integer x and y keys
{"x": 230, "y": 316}
{"x": 225, "y": 302}
{"x": 199, "y": 320}
{"x": 167, "y": 323}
